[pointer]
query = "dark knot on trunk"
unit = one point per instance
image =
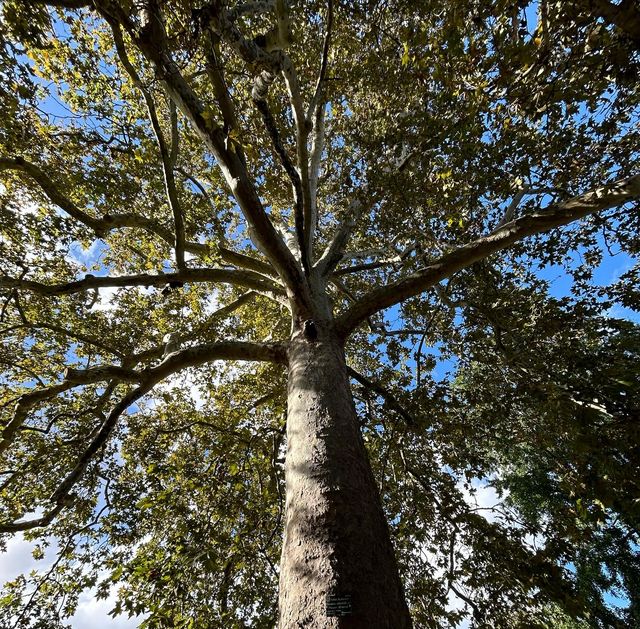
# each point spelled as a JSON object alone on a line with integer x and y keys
{"x": 309, "y": 330}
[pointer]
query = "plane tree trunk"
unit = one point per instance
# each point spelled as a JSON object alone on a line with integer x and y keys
{"x": 337, "y": 556}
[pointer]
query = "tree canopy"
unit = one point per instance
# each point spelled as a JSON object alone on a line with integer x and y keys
{"x": 173, "y": 173}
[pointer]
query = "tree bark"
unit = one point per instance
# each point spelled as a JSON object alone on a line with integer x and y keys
{"x": 336, "y": 541}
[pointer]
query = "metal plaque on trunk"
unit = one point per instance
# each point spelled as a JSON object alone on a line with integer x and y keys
{"x": 338, "y": 604}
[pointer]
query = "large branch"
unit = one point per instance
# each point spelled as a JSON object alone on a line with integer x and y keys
{"x": 335, "y": 250}
{"x": 102, "y": 225}
{"x": 152, "y": 42}
{"x": 248, "y": 279}
{"x": 302, "y": 153}
{"x": 176, "y": 361}
{"x": 270, "y": 65}
{"x": 315, "y": 116}
{"x": 168, "y": 151}
{"x": 298, "y": 194}
{"x": 215, "y": 73}
{"x": 245, "y": 261}
{"x": 607, "y": 196}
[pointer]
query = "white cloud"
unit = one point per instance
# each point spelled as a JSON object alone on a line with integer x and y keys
{"x": 105, "y": 299}
{"x": 18, "y": 559}
{"x": 91, "y": 613}
{"x": 484, "y": 498}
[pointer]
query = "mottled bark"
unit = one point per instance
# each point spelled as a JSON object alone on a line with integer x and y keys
{"x": 336, "y": 537}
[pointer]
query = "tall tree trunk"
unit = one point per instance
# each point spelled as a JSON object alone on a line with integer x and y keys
{"x": 337, "y": 556}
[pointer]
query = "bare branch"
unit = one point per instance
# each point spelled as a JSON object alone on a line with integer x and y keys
{"x": 315, "y": 117}
{"x": 317, "y": 100}
{"x": 246, "y": 262}
{"x": 294, "y": 176}
{"x": 169, "y": 164}
{"x": 216, "y": 77}
{"x": 393, "y": 261}
{"x": 611, "y": 195}
{"x": 100, "y": 373}
{"x": 270, "y": 65}
{"x": 302, "y": 152}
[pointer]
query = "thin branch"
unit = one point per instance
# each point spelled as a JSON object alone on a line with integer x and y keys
{"x": 610, "y": 195}
{"x": 386, "y": 395}
{"x": 394, "y": 261}
{"x": 158, "y": 352}
{"x": 367, "y": 266}
{"x": 172, "y": 192}
{"x": 196, "y": 183}
{"x": 302, "y": 152}
{"x": 25, "y": 402}
{"x": 294, "y": 176}
{"x": 50, "y": 190}
{"x": 509, "y": 213}
{"x": 317, "y": 99}
{"x": 252, "y": 8}
{"x": 26, "y": 525}
{"x": 216, "y": 78}
{"x": 101, "y": 226}
{"x": 315, "y": 117}
{"x": 83, "y": 338}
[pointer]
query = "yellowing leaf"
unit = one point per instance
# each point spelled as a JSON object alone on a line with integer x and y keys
{"x": 209, "y": 117}
{"x": 405, "y": 55}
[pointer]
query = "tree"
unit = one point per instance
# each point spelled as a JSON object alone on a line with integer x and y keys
{"x": 279, "y": 198}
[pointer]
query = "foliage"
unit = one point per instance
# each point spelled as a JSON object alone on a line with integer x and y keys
{"x": 439, "y": 122}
